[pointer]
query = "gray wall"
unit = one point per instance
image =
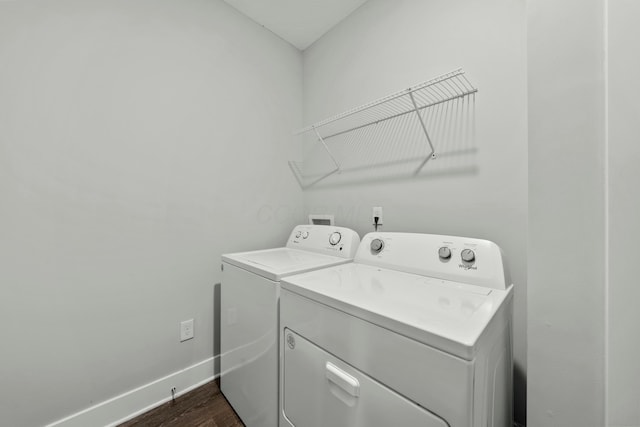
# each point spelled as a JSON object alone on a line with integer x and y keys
{"x": 566, "y": 324}
{"x": 386, "y": 46}
{"x": 583, "y": 204}
{"x": 623, "y": 370}
{"x": 139, "y": 140}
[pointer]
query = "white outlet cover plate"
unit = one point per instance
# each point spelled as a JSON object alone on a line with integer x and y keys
{"x": 186, "y": 330}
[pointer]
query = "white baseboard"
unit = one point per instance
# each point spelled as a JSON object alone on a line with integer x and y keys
{"x": 132, "y": 403}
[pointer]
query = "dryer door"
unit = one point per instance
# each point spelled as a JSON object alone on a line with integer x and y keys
{"x": 320, "y": 390}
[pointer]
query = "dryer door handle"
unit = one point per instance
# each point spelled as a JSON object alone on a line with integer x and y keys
{"x": 343, "y": 380}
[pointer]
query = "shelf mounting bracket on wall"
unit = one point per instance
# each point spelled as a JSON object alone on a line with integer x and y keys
{"x": 333, "y": 159}
{"x": 432, "y": 154}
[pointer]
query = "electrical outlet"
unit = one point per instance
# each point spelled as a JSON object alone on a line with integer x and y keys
{"x": 377, "y": 212}
{"x": 186, "y": 330}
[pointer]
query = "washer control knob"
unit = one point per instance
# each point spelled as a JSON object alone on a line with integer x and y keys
{"x": 444, "y": 252}
{"x": 335, "y": 237}
{"x": 305, "y": 234}
{"x": 298, "y": 234}
{"x": 377, "y": 245}
{"x": 468, "y": 255}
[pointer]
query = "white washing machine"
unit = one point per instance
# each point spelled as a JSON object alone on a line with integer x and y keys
{"x": 415, "y": 332}
{"x": 249, "y": 314}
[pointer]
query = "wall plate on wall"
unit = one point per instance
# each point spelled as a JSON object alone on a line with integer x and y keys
{"x": 321, "y": 219}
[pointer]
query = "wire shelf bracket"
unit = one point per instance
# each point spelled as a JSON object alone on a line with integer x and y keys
{"x": 414, "y": 100}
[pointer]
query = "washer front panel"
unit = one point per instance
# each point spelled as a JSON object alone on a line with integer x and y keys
{"x": 249, "y": 343}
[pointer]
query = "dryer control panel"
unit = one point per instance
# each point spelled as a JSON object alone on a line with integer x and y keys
{"x": 326, "y": 239}
{"x": 460, "y": 259}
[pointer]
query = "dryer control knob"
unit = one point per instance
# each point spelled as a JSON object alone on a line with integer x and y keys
{"x": 444, "y": 252}
{"x": 377, "y": 245}
{"x": 305, "y": 234}
{"x": 468, "y": 255}
{"x": 335, "y": 237}
{"x": 298, "y": 233}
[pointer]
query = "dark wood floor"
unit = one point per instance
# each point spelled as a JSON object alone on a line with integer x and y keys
{"x": 202, "y": 407}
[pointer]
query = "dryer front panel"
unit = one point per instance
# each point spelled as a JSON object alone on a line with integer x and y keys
{"x": 437, "y": 381}
{"x": 321, "y": 390}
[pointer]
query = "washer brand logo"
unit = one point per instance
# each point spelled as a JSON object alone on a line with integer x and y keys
{"x": 467, "y": 267}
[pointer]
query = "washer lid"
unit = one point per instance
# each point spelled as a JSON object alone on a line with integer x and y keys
{"x": 281, "y": 262}
{"x": 447, "y": 315}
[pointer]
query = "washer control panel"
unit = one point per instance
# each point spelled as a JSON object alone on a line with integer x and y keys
{"x": 335, "y": 238}
{"x": 460, "y": 259}
{"x": 328, "y": 239}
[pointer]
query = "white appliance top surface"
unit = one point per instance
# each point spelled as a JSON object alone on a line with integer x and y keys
{"x": 280, "y": 262}
{"x": 447, "y": 315}
{"x": 309, "y": 247}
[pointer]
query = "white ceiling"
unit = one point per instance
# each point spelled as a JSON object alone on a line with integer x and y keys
{"x": 300, "y": 22}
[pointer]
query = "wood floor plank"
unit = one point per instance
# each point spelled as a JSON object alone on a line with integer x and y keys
{"x": 202, "y": 407}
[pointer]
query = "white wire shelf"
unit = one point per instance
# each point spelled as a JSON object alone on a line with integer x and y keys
{"x": 401, "y": 109}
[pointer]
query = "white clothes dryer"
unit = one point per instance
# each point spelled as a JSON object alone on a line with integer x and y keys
{"x": 415, "y": 332}
{"x": 249, "y": 298}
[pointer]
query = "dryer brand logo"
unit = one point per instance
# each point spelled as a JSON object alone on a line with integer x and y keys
{"x": 291, "y": 341}
{"x": 467, "y": 267}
